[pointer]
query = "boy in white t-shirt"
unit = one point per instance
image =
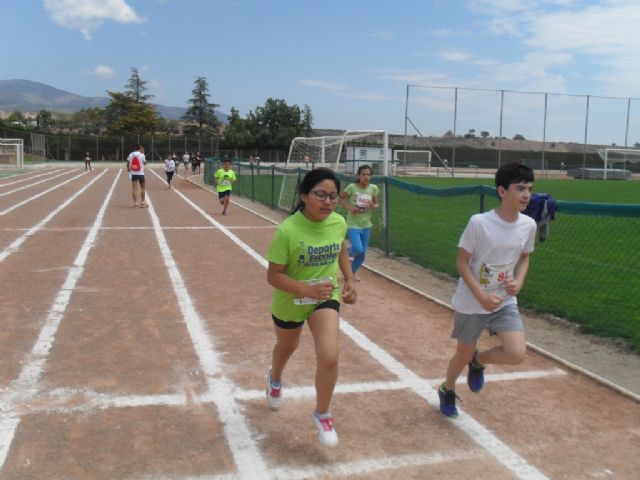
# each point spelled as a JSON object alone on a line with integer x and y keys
{"x": 493, "y": 261}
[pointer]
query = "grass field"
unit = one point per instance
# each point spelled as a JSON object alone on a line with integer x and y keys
{"x": 585, "y": 271}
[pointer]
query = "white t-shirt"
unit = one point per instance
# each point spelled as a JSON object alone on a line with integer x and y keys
{"x": 141, "y": 160}
{"x": 185, "y": 158}
{"x": 495, "y": 246}
{"x": 169, "y": 165}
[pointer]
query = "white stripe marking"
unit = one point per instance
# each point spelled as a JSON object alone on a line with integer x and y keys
{"x": 26, "y": 383}
{"x": 243, "y": 448}
{"x": 22, "y": 180}
{"x": 498, "y": 449}
{"x": 20, "y": 240}
{"x": 32, "y": 184}
{"x": 30, "y": 199}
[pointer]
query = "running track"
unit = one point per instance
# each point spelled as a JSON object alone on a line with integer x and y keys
{"x": 135, "y": 343}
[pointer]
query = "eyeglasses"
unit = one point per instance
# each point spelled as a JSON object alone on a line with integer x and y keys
{"x": 321, "y": 195}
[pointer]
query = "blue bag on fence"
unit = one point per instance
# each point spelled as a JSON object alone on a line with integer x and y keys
{"x": 542, "y": 208}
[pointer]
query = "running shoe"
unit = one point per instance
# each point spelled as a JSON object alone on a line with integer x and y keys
{"x": 274, "y": 393}
{"x": 324, "y": 426}
{"x": 475, "y": 377}
{"x": 447, "y": 401}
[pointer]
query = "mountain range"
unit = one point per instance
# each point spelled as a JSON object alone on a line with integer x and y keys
{"x": 29, "y": 96}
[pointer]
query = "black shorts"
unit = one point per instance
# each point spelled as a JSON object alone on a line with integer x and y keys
{"x": 226, "y": 193}
{"x": 137, "y": 178}
{"x": 332, "y": 304}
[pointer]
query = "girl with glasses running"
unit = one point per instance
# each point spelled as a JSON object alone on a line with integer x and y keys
{"x": 304, "y": 257}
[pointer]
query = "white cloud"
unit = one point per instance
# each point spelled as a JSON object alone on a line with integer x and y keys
{"x": 103, "y": 71}
{"x": 324, "y": 85}
{"x": 599, "y": 38}
{"x": 87, "y": 15}
{"x": 456, "y": 55}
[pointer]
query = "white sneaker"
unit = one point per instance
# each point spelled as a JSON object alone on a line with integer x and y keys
{"x": 274, "y": 394}
{"x": 356, "y": 277}
{"x": 324, "y": 426}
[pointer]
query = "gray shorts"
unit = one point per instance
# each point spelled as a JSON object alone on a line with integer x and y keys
{"x": 467, "y": 328}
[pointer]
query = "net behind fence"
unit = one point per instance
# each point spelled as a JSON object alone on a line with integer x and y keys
{"x": 585, "y": 271}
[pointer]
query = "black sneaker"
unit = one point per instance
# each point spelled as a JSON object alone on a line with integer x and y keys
{"x": 447, "y": 401}
{"x": 475, "y": 377}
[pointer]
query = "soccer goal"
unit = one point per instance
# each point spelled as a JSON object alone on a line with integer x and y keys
{"x": 413, "y": 162}
{"x": 621, "y": 157}
{"x": 342, "y": 153}
{"x": 11, "y": 153}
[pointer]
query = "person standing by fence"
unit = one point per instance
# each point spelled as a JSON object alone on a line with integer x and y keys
{"x": 493, "y": 262}
{"x": 359, "y": 199}
{"x": 304, "y": 257}
{"x": 87, "y": 162}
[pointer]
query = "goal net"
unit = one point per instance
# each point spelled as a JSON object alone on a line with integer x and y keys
{"x": 412, "y": 162}
{"x": 11, "y": 153}
{"x": 616, "y": 161}
{"x": 342, "y": 153}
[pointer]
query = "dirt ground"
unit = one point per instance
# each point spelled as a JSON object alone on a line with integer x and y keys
{"x": 135, "y": 345}
{"x": 605, "y": 359}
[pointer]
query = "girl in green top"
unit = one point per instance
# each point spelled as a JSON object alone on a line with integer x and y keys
{"x": 359, "y": 199}
{"x": 304, "y": 257}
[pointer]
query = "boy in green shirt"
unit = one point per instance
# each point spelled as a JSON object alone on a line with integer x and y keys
{"x": 224, "y": 179}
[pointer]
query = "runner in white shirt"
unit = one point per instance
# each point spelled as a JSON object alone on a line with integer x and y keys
{"x": 135, "y": 166}
{"x": 493, "y": 261}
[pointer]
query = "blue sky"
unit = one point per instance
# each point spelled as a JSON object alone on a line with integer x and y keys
{"x": 351, "y": 60}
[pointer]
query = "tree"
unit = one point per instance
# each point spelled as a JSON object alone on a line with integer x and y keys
{"x": 129, "y": 112}
{"x": 236, "y": 134}
{"x": 484, "y": 134}
{"x": 90, "y": 120}
{"x": 45, "y": 120}
{"x": 448, "y": 133}
{"x": 275, "y": 124}
{"x": 517, "y": 136}
{"x": 637, "y": 144}
{"x": 16, "y": 116}
{"x": 307, "y": 121}
{"x": 201, "y": 111}
{"x": 125, "y": 116}
{"x": 136, "y": 88}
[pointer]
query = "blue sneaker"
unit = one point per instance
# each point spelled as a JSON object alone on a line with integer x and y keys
{"x": 447, "y": 401}
{"x": 475, "y": 377}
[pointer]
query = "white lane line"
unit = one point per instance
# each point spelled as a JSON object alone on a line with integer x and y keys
{"x": 26, "y": 383}
{"x": 425, "y": 389}
{"x": 244, "y": 449}
{"x": 22, "y": 180}
{"x": 32, "y": 198}
{"x": 40, "y": 226}
{"x": 530, "y": 345}
{"x": 67, "y": 400}
{"x": 32, "y": 184}
{"x": 71, "y": 229}
{"x": 299, "y": 393}
{"x": 357, "y": 468}
{"x": 494, "y": 446}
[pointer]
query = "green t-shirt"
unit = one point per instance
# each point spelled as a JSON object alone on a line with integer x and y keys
{"x": 310, "y": 251}
{"x": 224, "y": 179}
{"x": 363, "y": 199}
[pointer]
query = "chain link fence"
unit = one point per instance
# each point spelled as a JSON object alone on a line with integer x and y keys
{"x": 586, "y": 271}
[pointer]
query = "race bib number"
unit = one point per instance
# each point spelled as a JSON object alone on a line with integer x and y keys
{"x": 226, "y": 182}
{"x": 492, "y": 277}
{"x": 362, "y": 200}
{"x": 311, "y": 301}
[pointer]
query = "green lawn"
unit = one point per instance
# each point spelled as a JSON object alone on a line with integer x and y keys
{"x": 586, "y": 271}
